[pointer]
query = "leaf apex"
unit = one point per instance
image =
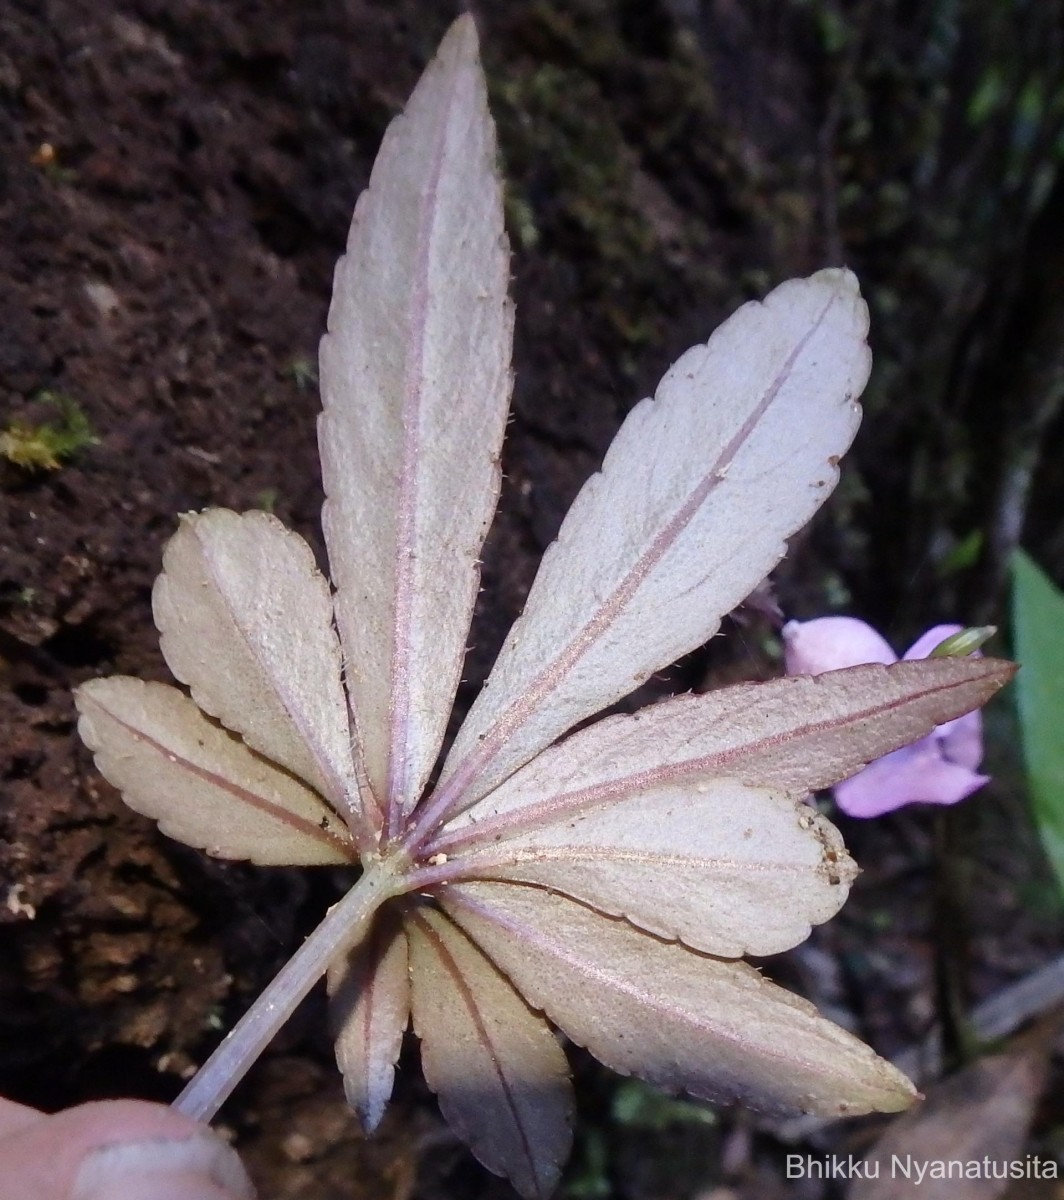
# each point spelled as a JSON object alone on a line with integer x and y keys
{"x": 463, "y": 32}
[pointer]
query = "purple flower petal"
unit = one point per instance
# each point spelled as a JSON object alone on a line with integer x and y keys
{"x": 962, "y": 740}
{"x": 831, "y": 643}
{"x": 938, "y": 769}
{"x": 916, "y": 774}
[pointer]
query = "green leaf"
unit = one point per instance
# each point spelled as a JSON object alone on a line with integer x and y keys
{"x": 640, "y": 1106}
{"x": 1038, "y": 625}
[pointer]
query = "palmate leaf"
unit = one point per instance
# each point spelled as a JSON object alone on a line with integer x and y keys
{"x": 201, "y": 783}
{"x": 661, "y": 544}
{"x": 415, "y": 381}
{"x": 797, "y": 735}
{"x": 682, "y": 1021}
{"x": 776, "y": 869}
{"x": 483, "y": 1049}
{"x": 245, "y": 619}
{"x": 370, "y": 1009}
{"x": 635, "y": 813}
{"x": 609, "y": 882}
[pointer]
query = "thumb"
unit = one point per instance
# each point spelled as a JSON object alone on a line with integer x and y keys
{"x": 126, "y": 1148}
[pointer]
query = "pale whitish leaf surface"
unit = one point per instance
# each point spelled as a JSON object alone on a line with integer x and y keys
{"x": 794, "y": 735}
{"x": 697, "y": 496}
{"x": 728, "y": 869}
{"x": 415, "y": 382}
{"x": 369, "y": 1011}
{"x": 678, "y": 1019}
{"x": 501, "y": 1077}
{"x": 200, "y": 782}
{"x": 246, "y": 622}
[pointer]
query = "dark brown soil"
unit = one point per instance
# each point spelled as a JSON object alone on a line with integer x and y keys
{"x": 176, "y": 183}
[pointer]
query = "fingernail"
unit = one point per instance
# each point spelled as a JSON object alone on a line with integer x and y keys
{"x": 152, "y": 1168}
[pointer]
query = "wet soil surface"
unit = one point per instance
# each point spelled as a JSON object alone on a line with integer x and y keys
{"x": 176, "y": 183}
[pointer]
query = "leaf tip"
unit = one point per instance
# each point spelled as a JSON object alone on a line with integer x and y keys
{"x": 460, "y": 47}
{"x": 368, "y": 1112}
{"x": 463, "y": 34}
{"x": 1004, "y": 669}
{"x": 989, "y": 675}
{"x": 840, "y": 279}
{"x": 87, "y": 695}
{"x": 888, "y": 1090}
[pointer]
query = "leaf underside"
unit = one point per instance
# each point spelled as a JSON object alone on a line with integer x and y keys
{"x": 728, "y": 869}
{"x": 680, "y": 1020}
{"x": 200, "y": 782}
{"x": 369, "y": 1011}
{"x": 415, "y": 380}
{"x": 605, "y": 883}
{"x": 245, "y": 618}
{"x": 500, "y": 1074}
{"x": 666, "y": 816}
{"x": 665, "y": 540}
{"x": 794, "y": 735}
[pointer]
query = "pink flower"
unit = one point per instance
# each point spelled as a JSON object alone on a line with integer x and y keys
{"x": 938, "y": 769}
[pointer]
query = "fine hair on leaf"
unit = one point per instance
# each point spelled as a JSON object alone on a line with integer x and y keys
{"x": 603, "y": 884}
